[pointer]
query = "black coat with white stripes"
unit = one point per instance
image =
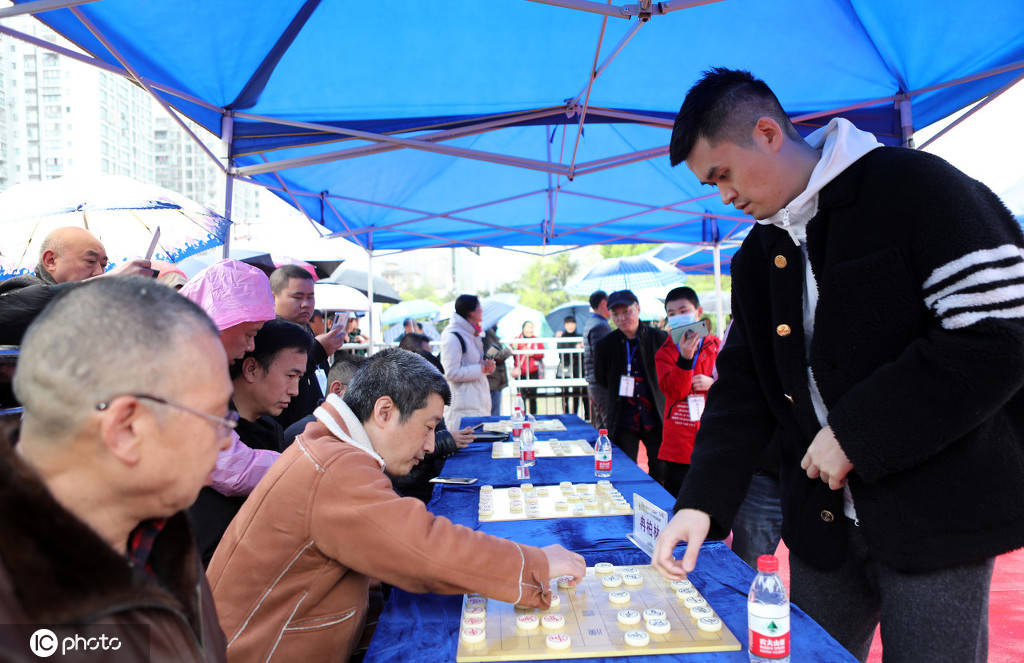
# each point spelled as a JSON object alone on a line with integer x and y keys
{"x": 918, "y": 352}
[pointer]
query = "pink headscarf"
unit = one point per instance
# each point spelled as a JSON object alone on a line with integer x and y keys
{"x": 232, "y": 292}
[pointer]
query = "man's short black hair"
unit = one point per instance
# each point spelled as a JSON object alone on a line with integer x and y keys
{"x": 275, "y": 335}
{"x": 683, "y": 292}
{"x": 466, "y": 304}
{"x": 406, "y": 377}
{"x": 317, "y": 313}
{"x": 724, "y": 104}
{"x": 596, "y": 298}
{"x": 568, "y": 319}
{"x": 344, "y": 367}
{"x": 406, "y": 322}
{"x": 282, "y": 275}
{"x": 413, "y": 342}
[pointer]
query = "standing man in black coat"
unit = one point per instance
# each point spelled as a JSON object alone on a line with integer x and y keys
{"x": 624, "y": 366}
{"x": 878, "y": 338}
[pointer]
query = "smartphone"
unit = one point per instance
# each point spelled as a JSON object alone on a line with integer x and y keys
{"x": 337, "y": 320}
{"x": 460, "y": 481}
{"x": 698, "y": 327}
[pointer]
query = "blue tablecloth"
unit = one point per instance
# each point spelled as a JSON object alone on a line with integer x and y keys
{"x": 423, "y": 628}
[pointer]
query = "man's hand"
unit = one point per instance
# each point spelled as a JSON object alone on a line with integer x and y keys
{"x": 562, "y": 562}
{"x": 487, "y": 366}
{"x": 702, "y": 382}
{"x": 825, "y": 458}
{"x": 688, "y": 344}
{"x": 689, "y": 525}
{"x": 462, "y": 437}
{"x": 332, "y": 341}
{"x": 136, "y": 267}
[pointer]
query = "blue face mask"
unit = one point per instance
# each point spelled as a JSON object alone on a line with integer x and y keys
{"x": 681, "y": 320}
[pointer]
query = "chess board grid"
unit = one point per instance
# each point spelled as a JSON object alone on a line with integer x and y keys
{"x": 592, "y": 623}
{"x": 503, "y": 512}
{"x": 543, "y": 449}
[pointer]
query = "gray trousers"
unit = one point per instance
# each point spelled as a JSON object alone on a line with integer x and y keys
{"x": 598, "y": 405}
{"x": 936, "y": 616}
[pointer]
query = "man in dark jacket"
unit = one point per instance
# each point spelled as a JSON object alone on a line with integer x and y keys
{"x": 95, "y": 541}
{"x": 878, "y": 338}
{"x": 294, "y": 302}
{"x": 624, "y": 365}
{"x": 265, "y": 380}
{"x": 595, "y": 328}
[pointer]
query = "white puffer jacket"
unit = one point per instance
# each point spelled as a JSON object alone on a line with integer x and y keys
{"x": 471, "y": 397}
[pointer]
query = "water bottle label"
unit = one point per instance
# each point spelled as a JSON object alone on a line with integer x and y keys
{"x": 769, "y": 631}
{"x": 603, "y": 465}
{"x": 528, "y": 455}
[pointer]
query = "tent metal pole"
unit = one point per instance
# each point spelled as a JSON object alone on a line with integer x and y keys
{"x": 448, "y": 134}
{"x": 588, "y": 6}
{"x": 39, "y": 6}
{"x": 599, "y": 69}
{"x": 639, "y": 118}
{"x": 295, "y": 201}
{"x": 227, "y": 129}
{"x": 642, "y": 9}
{"x": 977, "y": 107}
{"x": 720, "y": 313}
{"x": 520, "y": 162}
{"x": 906, "y": 113}
{"x": 135, "y": 76}
{"x": 369, "y": 292}
{"x": 586, "y": 97}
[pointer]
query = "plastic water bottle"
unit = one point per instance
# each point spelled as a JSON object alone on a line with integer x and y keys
{"x": 603, "y": 455}
{"x": 768, "y": 614}
{"x": 517, "y": 425}
{"x": 527, "y": 455}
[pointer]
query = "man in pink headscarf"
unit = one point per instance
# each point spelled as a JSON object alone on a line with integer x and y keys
{"x": 238, "y": 298}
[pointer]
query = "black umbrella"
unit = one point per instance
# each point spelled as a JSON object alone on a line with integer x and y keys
{"x": 382, "y": 291}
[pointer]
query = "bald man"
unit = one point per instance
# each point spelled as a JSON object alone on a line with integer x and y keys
{"x": 67, "y": 255}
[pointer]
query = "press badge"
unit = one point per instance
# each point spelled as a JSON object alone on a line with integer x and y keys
{"x": 321, "y": 378}
{"x": 627, "y": 385}
{"x": 695, "y": 403}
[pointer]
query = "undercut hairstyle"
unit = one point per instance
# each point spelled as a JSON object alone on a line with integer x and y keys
{"x": 282, "y": 275}
{"x": 413, "y": 342}
{"x": 100, "y": 339}
{"x": 724, "y": 104}
{"x": 273, "y": 337}
{"x": 466, "y": 304}
{"x": 406, "y": 377}
{"x": 683, "y": 292}
{"x": 596, "y": 298}
{"x": 345, "y": 366}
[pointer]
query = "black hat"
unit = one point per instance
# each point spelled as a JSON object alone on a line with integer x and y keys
{"x": 622, "y": 297}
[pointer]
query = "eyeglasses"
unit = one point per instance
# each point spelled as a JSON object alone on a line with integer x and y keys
{"x": 224, "y": 424}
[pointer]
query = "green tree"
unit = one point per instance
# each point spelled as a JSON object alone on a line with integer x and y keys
{"x": 624, "y": 250}
{"x": 423, "y": 291}
{"x": 542, "y": 285}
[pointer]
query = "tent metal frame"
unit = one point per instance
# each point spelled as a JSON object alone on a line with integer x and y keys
{"x": 434, "y": 142}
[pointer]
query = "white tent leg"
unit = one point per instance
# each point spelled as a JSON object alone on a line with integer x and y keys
{"x": 227, "y": 128}
{"x": 720, "y": 310}
{"x": 369, "y": 294}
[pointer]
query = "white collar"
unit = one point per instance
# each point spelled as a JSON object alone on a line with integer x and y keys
{"x": 356, "y": 436}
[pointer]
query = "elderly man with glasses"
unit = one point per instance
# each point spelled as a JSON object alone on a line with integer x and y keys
{"x": 124, "y": 415}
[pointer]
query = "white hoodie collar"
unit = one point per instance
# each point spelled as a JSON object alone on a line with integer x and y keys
{"x": 356, "y": 435}
{"x": 841, "y": 144}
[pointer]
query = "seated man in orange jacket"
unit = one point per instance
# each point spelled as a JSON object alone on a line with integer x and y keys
{"x": 291, "y": 574}
{"x": 684, "y": 376}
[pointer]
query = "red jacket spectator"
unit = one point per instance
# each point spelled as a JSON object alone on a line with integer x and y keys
{"x": 529, "y": 365}
{"x": 675, "y": 379}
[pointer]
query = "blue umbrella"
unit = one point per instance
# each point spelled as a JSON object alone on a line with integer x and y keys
{"x": 413, "y": 308}
{"x": 695, "y": 258}
{"x": 579, "y": 310}
{"x": 392, "y": 333}
{"x": 632, "y": 273}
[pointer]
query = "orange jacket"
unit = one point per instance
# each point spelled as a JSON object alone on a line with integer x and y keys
{"x": 290, "y": 577}
{"x": 675, "y": 379}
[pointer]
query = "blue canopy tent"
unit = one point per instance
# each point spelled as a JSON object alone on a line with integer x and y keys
{"x": 522, "y": 123}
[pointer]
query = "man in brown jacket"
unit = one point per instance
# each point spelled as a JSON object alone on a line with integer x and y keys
{"x": 291, "y": 574}
{"x": 123, "y": 419}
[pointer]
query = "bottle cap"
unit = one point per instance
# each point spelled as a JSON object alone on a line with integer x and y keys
{"x": 768, "y": 564}
{"x": 602, "y": 431}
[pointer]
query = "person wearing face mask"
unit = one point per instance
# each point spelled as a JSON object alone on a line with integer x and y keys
{"x": 684, "y": 377}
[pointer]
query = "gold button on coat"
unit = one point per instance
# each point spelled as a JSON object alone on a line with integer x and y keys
{"x": 783, "y": 330}
{"x": 780, "y": 261}
{"x": 827, "y": 516}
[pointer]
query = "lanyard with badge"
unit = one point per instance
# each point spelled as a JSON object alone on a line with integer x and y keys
{"x": 627, "y": 383}
{"x": 695, "y": 402}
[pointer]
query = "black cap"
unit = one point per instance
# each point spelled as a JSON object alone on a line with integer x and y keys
{"x": 622, "y": 298}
